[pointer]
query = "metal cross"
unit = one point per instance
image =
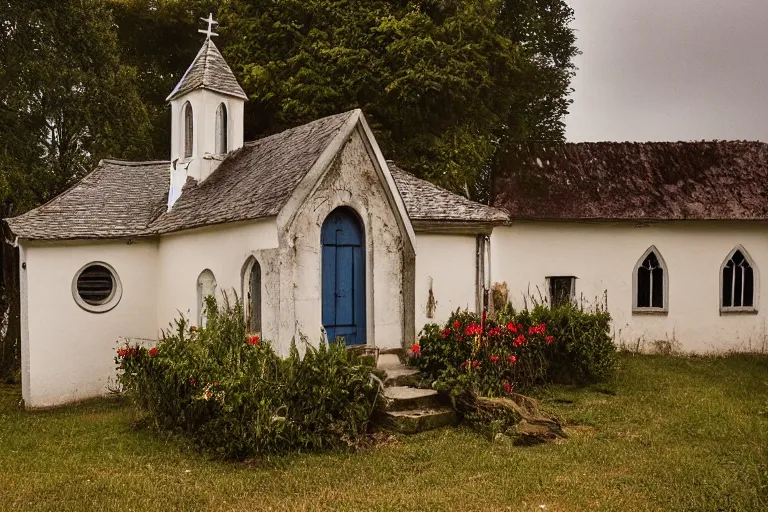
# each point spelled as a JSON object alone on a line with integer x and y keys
{"x": 211, "y": 22}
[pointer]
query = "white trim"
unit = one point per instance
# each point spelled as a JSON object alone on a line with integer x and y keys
{"x": 312, "y": 179}
{"x": 663, "y": 265}
{"x": 755, "y": 284}
{"x": 110, "y": 302}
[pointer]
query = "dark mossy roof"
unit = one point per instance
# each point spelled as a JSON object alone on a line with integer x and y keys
{"x": 715, "y": 180}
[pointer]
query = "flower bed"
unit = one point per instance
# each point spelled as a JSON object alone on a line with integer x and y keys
{"x": 233, "y": 395}
{"x": 518, "y": 350}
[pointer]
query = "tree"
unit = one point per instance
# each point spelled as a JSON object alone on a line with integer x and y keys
{"x": 445, "y": 83}
{"x": 159, "y": 39}
{"x": 66, "y": 99}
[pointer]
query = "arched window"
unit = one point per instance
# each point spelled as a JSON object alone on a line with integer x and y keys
{"x": 738, "y": 282}
{"x": 188, "y": 130}
{"x": 651, "y": 283}
{"x": 252, "y": 295}
{"x": 206, "y": 287}
{"x": 221, "y": 130}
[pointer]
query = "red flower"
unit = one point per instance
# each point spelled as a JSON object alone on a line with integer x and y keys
{"x": 519, "y": 341}
{"x": 538, "y": 329}
{"x": 550, "y": 339}
{"x": 191, "y": 380}
{"x": 494, "y": 358}
{"x": 152, "y": 352}
{"x": 495, "y": 331}
{"x": 460, "y": 338}
{"x": 445, "y": 333}
{"x": 253, "y": 340}
{"x": 511, "y": 327}
{"x": 456, "y": 324}
{"x": 474, "y": 329}
{"x": 465, "y": 364}
{"x": 507, "y": 387}
{"x": 133, "y": 351}
{"x": 512, "y": 359}
{"x": 520, "y": 327}
{"x": 416, "y": 349}
{"x": 192, "y": 329}
{"x": 475, "y": 364}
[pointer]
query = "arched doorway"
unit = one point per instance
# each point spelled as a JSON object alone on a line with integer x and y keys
{"x": 343, "y": 277}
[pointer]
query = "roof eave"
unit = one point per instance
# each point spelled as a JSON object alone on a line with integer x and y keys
{"x": 455, "y": 227}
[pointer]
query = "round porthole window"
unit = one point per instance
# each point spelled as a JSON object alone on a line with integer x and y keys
{"x": 96, "y": 287}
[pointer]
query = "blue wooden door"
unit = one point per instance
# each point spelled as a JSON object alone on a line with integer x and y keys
{"x": 344, "y": 277}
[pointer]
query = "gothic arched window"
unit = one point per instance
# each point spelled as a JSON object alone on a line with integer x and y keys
{"x": 206, "y": 287}
{"x": 738, "y": 282}
{"x": 651, "y": 283}
{"x": 188, "y": 130}
{"x": 221, "y": 130}
{"x": 252, "y": 295}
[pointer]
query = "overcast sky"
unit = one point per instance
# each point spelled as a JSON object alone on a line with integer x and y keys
{"x": 670, "y": 70}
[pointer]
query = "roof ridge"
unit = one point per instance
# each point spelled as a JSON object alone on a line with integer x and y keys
{"x": 129, "y": 163}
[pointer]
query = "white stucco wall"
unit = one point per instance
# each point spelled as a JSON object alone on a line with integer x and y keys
{"x": 67, "y": 352}
{"x": 603, "y": 256}
{"x": 449, "y": 263}
{"x": 352, "y": 180}
{"x": 224, "y": 251}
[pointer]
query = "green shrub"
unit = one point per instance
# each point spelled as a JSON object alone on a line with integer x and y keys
{"x": 517, "y": 351}
{"x": 235, "y": 396}
{"x": 583, "y": 351}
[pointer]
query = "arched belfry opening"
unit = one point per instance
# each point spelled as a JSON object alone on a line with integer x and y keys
{"x": 344, "y": 277}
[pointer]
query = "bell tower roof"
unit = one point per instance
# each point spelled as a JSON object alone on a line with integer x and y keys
{"x": 209, "y": 71}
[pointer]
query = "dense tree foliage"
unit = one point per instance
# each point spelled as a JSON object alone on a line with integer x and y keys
{"x": 66, "y": 99}
{"x": 445, "y": 83}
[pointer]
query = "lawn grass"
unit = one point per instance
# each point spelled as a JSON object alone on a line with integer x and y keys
{"x": 669, "y": 434}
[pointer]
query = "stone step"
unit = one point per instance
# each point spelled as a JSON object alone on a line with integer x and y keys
{"x": 418, "y": 420}
{"x": 405, "y": 398}
{"x": 401, "y": 377}
{"x": 389, "y": 362}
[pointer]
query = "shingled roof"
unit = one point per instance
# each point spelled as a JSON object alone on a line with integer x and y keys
{"x": 209, "y": 71}
{"x": 129, "y": 200}
{"x": 716, "y": 180}
{"x": 430, "y": 203}
{"x": 117, "y": 200}
{"x": 255, "y": 181}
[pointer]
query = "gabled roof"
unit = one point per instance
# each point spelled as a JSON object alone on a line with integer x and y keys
{"x": 129, "y": 200}
{"x": 718, "y": 180}
{"x": 428, "y": 202}
{"x": 209, "y": 71}
{"x": 117, "y": 200}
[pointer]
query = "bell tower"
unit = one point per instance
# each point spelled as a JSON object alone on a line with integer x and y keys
{"x": 206, "y": 115}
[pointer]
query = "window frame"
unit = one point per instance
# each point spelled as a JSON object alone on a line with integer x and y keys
{"x": 754, "y": 308}
{"x": 572, "y": 294}
{"x": 221, "y": 127}
{"x": 111, "y": 302}
{"x": 188, "y": 133}
{"x": 635, "y": 289}
{"x": 250, "y": 264}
